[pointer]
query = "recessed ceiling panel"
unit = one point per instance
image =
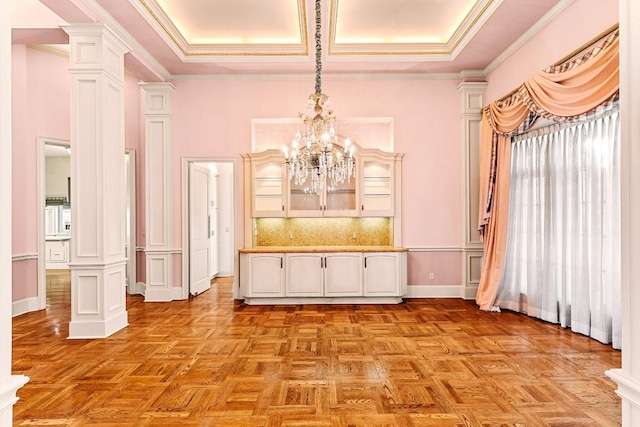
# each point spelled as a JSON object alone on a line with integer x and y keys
{"x": 202, "y": 28}
{"x": 399, "y": 21}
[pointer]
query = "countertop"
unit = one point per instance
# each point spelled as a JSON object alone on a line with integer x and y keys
{"x": 285, "y": 249}
{"x": 50, "y": 237}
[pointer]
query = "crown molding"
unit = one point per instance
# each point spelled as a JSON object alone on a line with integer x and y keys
{"x": 515, "y": 46}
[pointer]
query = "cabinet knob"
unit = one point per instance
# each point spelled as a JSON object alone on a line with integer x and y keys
{"x": 362, "y": 207}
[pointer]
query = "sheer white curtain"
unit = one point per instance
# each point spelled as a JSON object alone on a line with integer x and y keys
{"x": 563, "y": 251}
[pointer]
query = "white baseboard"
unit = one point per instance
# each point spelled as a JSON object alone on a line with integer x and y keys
{"x": 434, "y": 291}
{"x": 23, "y": 306}
{"x": 470, "y": 292}
{"x": 163, "y": 295}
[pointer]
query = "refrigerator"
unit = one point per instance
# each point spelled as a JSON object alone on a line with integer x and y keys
{"x": 57, "y": 220}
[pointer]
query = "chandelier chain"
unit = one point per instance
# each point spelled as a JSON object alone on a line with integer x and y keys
{"x": 318, "y": 49}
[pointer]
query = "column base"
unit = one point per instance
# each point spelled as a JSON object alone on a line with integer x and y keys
{"x": 8, "y": 398}
{"x": 162, "y": 295}
{"x": 87, "y": 329}
{"x": 629, "y": 391}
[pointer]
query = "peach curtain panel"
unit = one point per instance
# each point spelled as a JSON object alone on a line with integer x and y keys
{"x": 557, "y": 93}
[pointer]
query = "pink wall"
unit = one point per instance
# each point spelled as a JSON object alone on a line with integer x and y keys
{"x": 213, "y": 119}
{"x": 24, "y": 272}
{"x": 41, "y": 108}
{"x": 445, "y": 266}
{"x": 576, "y": 25}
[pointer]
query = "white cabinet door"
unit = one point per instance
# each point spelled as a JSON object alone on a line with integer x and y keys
{"x": 304, "y": 274}
{"x": 264, "y": 275}
{"x": 382, "y": 274}
{"x": 343, "y": 274}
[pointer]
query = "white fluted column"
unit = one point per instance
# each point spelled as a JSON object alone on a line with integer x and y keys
{"x": 98, "y": 259}
{"x": 9, "y": 384}
{"x": 472, "y": 101}
{"x": 628, "y": 377}
{"x": 158, "y": 181}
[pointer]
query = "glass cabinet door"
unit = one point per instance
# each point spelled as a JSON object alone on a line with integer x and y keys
{"x": 341, "y": 199}
{"x": 303, "y": 202}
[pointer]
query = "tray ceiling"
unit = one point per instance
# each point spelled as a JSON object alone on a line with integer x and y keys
{"x": 277, "y": 36}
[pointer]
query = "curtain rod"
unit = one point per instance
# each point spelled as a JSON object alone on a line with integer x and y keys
{"x": 575, "y": 52}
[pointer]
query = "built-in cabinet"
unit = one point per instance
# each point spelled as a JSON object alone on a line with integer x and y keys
{"x": 370, "y": 193}
{"x": 327, "y": 274}
{"x": 57, "y": 254}
{"x": 295, "y": 277}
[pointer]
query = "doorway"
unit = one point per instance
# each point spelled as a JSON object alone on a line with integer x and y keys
{"x": 219, "y": 205}
{"x": 55, "y": 218}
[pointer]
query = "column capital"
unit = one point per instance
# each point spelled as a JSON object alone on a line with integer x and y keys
{"x": 473, "y": 97}
{"x": 95, "y": 48}
{"x": 157, "y": 98}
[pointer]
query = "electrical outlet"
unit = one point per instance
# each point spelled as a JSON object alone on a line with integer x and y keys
{"x": 432, "y": 276}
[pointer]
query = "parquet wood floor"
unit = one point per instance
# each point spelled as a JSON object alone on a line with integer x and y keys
{"x": 210, "y": 361}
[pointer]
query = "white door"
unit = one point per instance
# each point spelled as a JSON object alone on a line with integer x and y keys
{"x": 199, "y": 229}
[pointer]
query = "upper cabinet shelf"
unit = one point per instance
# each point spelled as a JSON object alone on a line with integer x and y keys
{"x": 374, "y": 191}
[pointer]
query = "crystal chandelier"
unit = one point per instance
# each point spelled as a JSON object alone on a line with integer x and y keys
{"x": 315, "y": 158}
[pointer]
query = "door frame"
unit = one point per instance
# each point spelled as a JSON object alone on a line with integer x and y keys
{"x": 235, "y": 163}
{"x": 132, "y": 286}
{"x": 41, "y": 203}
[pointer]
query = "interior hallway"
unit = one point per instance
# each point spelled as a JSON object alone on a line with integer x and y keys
{"x": 212, "y": 361}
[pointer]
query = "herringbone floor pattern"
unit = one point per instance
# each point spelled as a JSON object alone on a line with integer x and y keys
{"x": 210, "y": 361}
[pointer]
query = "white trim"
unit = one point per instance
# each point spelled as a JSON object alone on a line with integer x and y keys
{"x": 23, "y": 306}
{"x": 321, "y": 300}
{"x": 436, "y": 291}
{"x": 158, "y": 251}
{"x": 163, "y": 295}
{"x": 24, "y": 257}
{"x": 9, "y": 384}
{"x": 132, "y": 269}
{"x": 533, "y": 30}
{"x": 470, "y": 292}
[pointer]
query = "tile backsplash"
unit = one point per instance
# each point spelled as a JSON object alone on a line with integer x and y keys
{"x": 322, "y": 232}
